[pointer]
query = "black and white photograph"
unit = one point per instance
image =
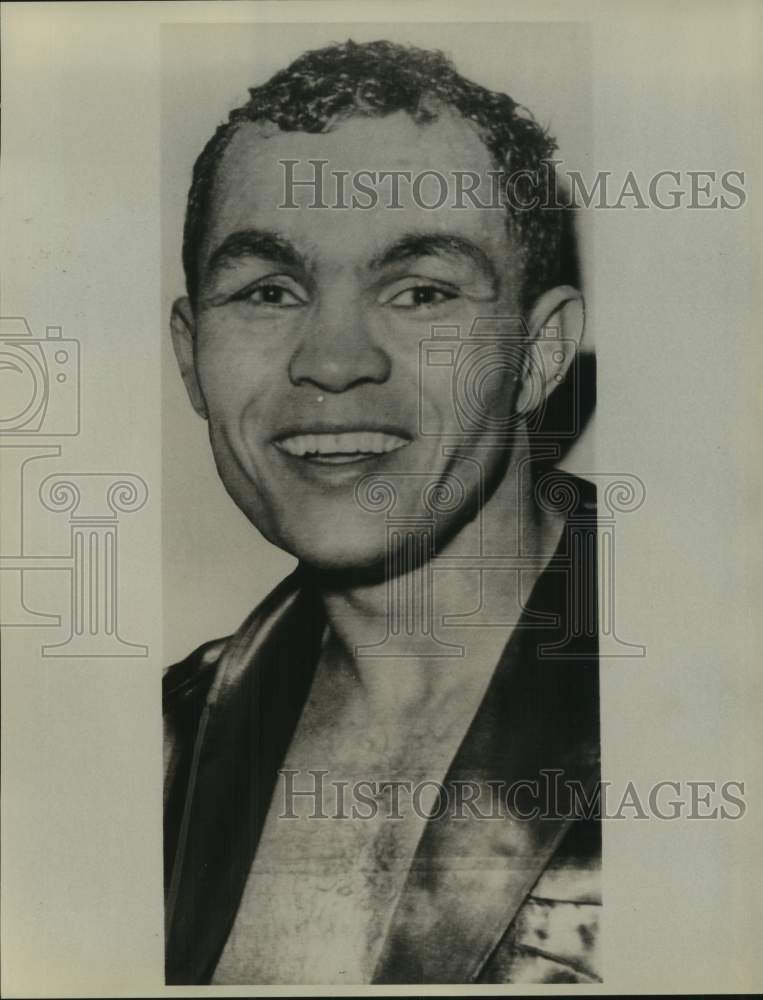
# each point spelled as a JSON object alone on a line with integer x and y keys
{"x": 381, "y": 499}
{"x": 360, "y": 777}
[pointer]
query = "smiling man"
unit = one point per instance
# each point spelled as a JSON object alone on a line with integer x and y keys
{"x": 358, "y": 780}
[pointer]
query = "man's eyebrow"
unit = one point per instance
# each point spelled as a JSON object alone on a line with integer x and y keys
{"x": 254, "y": 243}
{"x": 436, "y": 244}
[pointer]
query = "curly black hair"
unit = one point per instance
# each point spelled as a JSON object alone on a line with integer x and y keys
{"x": 325, "y": 87}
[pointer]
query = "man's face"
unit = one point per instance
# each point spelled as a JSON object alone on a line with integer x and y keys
{"x": 308, "y": 329}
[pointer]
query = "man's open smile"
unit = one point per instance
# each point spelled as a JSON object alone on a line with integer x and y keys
{"x": 332, "y": 445}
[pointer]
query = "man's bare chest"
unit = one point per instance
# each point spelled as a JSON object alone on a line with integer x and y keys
{"x": 330, "y": 866}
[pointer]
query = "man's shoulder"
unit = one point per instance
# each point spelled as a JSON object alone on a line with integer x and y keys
{"x": 185, "y": 687}
{"x": 557, "y": 489}
{"x": 190, "y": 679}
{"x": 192, "y": 676}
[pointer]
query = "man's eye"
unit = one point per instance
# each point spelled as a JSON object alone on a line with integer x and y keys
{"x": 271, "y": 295}
{"x": 421, "y": 296}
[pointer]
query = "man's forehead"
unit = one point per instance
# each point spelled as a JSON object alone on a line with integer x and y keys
{"x": 360, "y": 140}
{"x": 258, "y": 176}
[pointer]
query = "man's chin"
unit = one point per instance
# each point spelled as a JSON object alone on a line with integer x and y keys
{"x": 347, "y": 559}
{"x": 346, "y": 562}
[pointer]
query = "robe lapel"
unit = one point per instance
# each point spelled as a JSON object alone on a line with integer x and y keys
{"x": 254, "y": 705}
{"x": 470, "y": 875}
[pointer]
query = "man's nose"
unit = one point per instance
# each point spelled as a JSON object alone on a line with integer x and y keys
{"x": 338, "y": 351}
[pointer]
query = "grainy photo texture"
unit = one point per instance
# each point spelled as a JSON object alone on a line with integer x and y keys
{"x": 388, "y": 773}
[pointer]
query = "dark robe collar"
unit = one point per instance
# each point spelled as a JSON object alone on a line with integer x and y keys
{"x": 251, "y": 712}
{"x": 535, "y": 731}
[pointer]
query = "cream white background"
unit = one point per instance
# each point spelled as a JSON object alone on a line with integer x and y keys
{"x": 675, "y": 308}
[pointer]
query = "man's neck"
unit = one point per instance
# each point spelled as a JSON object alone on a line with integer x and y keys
{"x": 398, "y": 644}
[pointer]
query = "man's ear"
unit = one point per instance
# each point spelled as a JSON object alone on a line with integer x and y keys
{"x": 183, "y": 327}
{"x": 555, "y": 328}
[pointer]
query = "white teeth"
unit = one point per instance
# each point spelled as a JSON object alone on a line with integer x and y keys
{"x": 346, "y": 443}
